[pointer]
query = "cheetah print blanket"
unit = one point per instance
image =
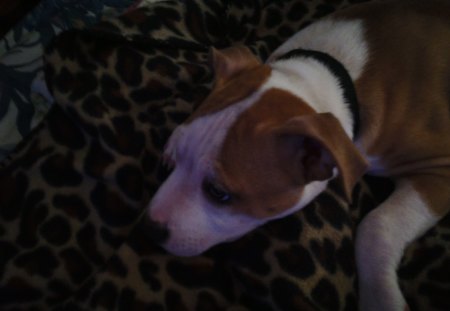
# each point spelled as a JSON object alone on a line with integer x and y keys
{"x": 73, "y": 193}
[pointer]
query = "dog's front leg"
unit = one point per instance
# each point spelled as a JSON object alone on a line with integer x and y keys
{"x": 415, "y": 206}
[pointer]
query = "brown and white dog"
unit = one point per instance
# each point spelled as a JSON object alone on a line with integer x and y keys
{"x": 270, "y": 136}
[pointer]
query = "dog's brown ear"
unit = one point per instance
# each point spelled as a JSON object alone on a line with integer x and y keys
{"x": 238, "y": 73}
{"x": 318, "y": 144}
{"x": 231, "y": 61}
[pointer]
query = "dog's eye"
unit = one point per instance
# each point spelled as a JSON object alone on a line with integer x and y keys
{"x": 216, "y": 193}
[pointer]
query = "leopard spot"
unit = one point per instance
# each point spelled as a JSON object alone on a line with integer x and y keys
{"x": 163, "y": 66}
{"x": 64, "y": 80}
{"x": 149, "y": 162}
{"x": 247, "y": 252}
{"x": 252, "y": 284}
{"x": 105, "y": 296}
{"x": 59, "y": 291}
{"x": 441, "y": 273}
{"x": 58, "y": 171}
{"x": 13, "y": 189}
{"x": 297, "y": 11}
{"x": 326, "y": 295}
{"x": 72, "y": 205}
{"x": 56, "y": 230}
{"x": 285, "y": 31}
{"x": 33, "y": 214}
{"x": 148, "y": 272}
{"x": 200, "y": 273}
{"x": 111, "y": 207}
{"x": 174, "y": 302}
{"x": 97, "y": 160}
{"x": 41, "y": 262}
{"x": 311, "y": 217}
{"x": 159, "y": 137}
{"x": 112, "y": 94}
{"x": 206, "y": 302}
{"x": 345, "y": 257}
{"x": 88, "y": 243}
{"x": 76, "y": 265}
{"x": 93, "y": 106}
{"x": 322, "y": 10}
{"x": 17, "y": 291}
{"x": 155, "y": 116}
{"x": 65, "y": 132}
{"x": 78, "y": 118}
{"x": 130, "y": 180}
{"x": 111, "y": 239}
{"x": 177, "y": 116}
{"x": 351, "y": 302}
{"x": 286, "y": 229}
{"x": 297, "y": 261}
{"x": 84, "y": 83}
{"x": 8, "y": 251}
{"x": 287, "y": 295}
{"x": 152, "y": 91}
{"x": 273, "y": 18}
{"x": 423, "y": 257}
{"x": 325, "y": 253}
{"x": 84, "y": 293}
{"x": 331, "y": 212}
{"x": 128, "y": 65}
{"x": 127, "y": 301}
{"x": 35, "y": 152}
{"x": 123, "y": 137}
{"x": 437, "y": 295}
{"x": 117, "y": 267}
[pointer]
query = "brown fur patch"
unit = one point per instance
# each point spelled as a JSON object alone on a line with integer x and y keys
{"x": 233, "y": 91}
{"x": 404, "y": 93}
{"x": 252, "y": 164}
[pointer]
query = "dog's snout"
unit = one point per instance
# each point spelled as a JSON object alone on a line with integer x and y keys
{"x": 156, "y": 231}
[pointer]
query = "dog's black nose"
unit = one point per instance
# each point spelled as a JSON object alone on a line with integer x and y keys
{"x": 155, "y": 231}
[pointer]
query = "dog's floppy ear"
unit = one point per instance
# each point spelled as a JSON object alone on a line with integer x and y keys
{"x": 231, "y": 61}
{"x": 318, "y": 144}
{"x": 238, "y": 73}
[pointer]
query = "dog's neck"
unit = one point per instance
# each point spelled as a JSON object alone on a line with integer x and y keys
{"x": 332, "y": 87}
{"x": 340, "y": 72}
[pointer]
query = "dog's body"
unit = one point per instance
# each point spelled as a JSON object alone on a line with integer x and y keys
{"x": 270, "y": 136}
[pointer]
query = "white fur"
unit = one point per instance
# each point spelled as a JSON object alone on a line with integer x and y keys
{"x": 381, "y": 239}
{"x": 342, "y": 39}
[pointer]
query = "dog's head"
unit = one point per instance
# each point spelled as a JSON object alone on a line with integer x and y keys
{"x": 252, "y": 152}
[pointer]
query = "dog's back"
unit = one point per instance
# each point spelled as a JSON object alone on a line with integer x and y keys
{"x": 397, "y": 74}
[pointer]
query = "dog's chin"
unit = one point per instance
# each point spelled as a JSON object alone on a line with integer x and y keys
{"x": 189, "y": 247}
{"x": 186, "y": 248}
{"x": 184, "y": 251}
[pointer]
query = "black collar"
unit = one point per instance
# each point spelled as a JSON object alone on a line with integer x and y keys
{"x": 341, "y": 74}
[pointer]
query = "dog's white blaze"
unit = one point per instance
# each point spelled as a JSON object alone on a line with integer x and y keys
{"x": 194, "y": 223}
{"x": 404, "y": 215}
